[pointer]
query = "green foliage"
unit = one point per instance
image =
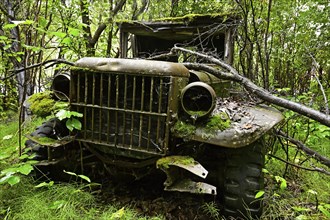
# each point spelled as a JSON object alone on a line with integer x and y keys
{"x": 184, "y": 129}
{"x": 72, "y": 122}
{"x": 212, "y": 210}
{"x": 42, "y": 104}
{"x": 57, "y": 202}
{"x": 220, "y": 121}
{"x": 80, "y": 176}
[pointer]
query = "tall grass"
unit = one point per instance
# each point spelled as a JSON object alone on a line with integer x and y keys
{"x": 58, "y": 201}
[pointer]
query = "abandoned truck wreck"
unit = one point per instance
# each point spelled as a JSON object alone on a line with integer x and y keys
{"x": 140, "y": 115}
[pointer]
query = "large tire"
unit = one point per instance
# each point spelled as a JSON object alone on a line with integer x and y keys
{"x": 54, "y": 129}
{"x": 237, "y": 174}
{"x": 243, "y": 178}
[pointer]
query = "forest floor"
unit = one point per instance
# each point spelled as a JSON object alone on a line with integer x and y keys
{"x": 293, "y": 194}
{"x": 147, "y": 197}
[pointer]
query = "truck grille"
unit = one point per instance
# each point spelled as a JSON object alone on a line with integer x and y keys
{"x": 125, "y": 111}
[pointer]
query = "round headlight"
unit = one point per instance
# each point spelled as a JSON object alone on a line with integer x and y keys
{"x": 61, "y": 86}
{"x": 198, "y": 99}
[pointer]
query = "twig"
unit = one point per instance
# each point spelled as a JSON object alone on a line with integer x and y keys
{"x": 315, "y": 66}
{"x": 54, "y": 61}
{"x": 232, "y": 74}
{"x": 322, "y": 159}
{"x": 320, "y": 170}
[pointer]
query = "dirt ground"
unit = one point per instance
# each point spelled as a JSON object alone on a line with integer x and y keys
{"x": 147, "y": 197}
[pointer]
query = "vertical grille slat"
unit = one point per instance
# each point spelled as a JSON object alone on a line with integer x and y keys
{"x": 85, "y": 108}
{"x": 141, "y": 116}
{"x": 108, "y": 105}
{"x": 125, "y": 111}
{"x": 101, "y": 105}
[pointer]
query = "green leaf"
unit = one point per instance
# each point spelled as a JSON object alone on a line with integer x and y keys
{"x": 301, "y": 217}
{"x": 300, "y": 209}
{"x": 42, "y": 21}
{"x": 57, "y": 204}
{"x": 9, "y": 26}
{"x": 259, "y": 194}
{"x": 282, "y": 181}
{"x": 84, "y": 178}
{"x": 119, "y": 214}
{"x": 44, "y": 184}
{"x": 13, "y": 180}
{"x": 6, "y": 177}
{"x": 23, "y": 22}
{"x": 74, "y": 32}
{"x": 73, "y": 123}
{"x": 7, "y": 137}
{"x": 70, "y": 173}
{"x": 25, "y": 169}
{"x": 60, "y": 35}
{"x": 76, "y": 114}
{"x": 62, "y": 114}
{"x": 66, "y": 41}
{"x": 81, "y": 176}
{"x": 312, "y": 192}
{"x": 324, "y": 211}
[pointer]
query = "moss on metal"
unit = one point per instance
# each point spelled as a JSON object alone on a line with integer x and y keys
{"x": 41, "y": 104}
{"x": 220, "y": 121}
{"x": 192, "y": 17}
{"x": 184, "y": 129}
{"x": 166, "y": 161}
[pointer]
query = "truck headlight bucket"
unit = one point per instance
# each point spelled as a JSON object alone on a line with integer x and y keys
{"x": 61, "y": 86}
{"x": 198, "y": 99}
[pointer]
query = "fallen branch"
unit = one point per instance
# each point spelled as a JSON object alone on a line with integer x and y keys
{"x": 316, "y": 169}
{"x": 53, "y": 61}
{"x": 322, "y": 159}
{"x": 263, "y": 94}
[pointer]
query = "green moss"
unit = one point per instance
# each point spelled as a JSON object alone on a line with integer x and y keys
{"x": 192, "y": 17}
{"x": 184, "y": 129}
{"x": 197, "y": 113}
{"x": 166, "y": 161}
{"x": 41, "y": 104}
{"x": 220, "y": 121}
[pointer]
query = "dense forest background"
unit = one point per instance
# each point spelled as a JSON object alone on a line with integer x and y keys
{"x": 282, "y": 46}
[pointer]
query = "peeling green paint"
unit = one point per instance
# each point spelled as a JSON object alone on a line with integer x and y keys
{"x": 163, "y": 163}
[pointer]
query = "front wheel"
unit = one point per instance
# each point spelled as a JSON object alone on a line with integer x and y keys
{"x": 237, "y": 174}
{"x": 49, "y": 159}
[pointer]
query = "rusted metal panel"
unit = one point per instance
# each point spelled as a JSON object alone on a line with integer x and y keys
{"x": 133, "y": 66}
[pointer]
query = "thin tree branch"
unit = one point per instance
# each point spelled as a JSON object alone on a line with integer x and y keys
{"x": 233, "y": 75}
{"x": 322, "y": 159}
{"x": 320, "y": 170}
{"x": 54, "y": 61}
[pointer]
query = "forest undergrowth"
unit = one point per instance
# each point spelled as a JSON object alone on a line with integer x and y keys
{"x": 290, "y": 192}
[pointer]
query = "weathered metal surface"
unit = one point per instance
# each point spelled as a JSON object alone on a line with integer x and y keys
{"x": 184, "y": 162}
{"x": 133, "y": 66}
{"x": 248, "y": 123}
{"x": 127, "y": 114}
{"x": 177, "y": 180}
{"x": 51, "y": 142}
{"x": 187, "y": 185}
